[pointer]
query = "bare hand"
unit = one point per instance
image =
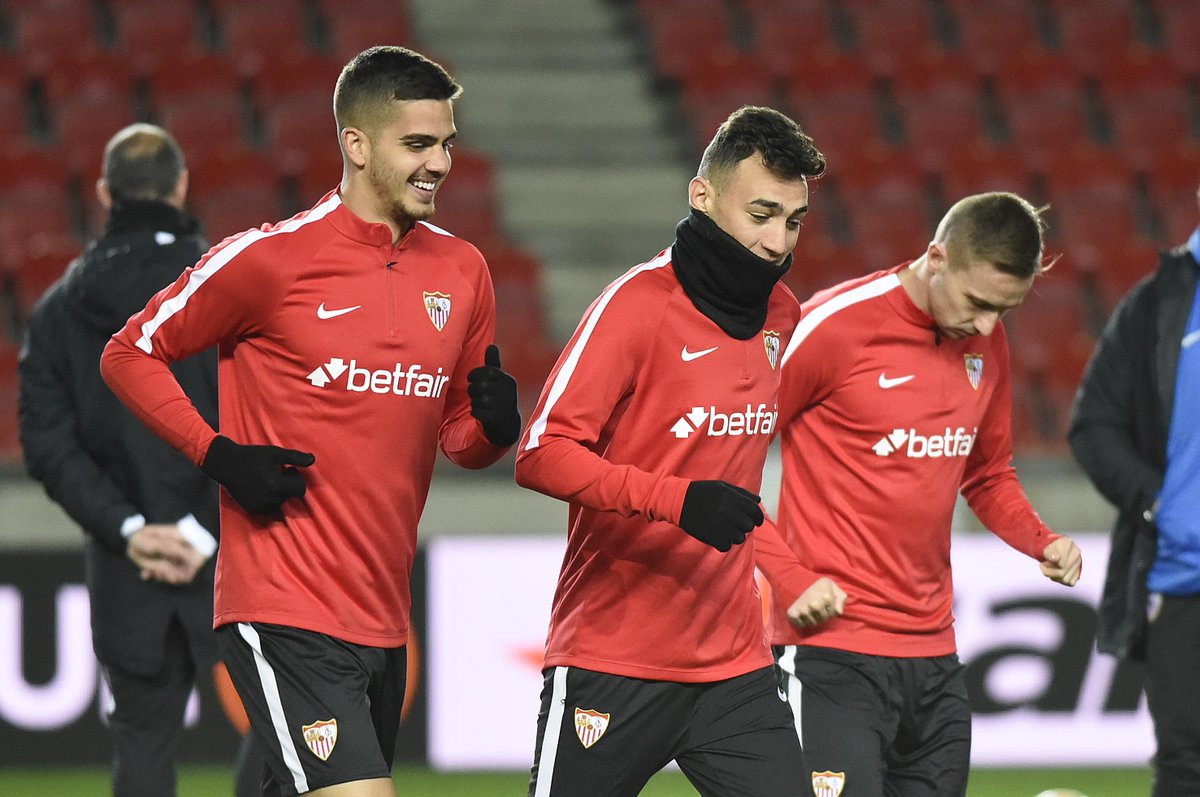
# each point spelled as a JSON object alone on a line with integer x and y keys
{"x": 1062, "y": 561}
{"x": 823, "y": 599}
{"x": 162, "y": 554}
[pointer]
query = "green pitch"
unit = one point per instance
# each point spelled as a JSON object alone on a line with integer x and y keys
{"x": 410, "y": 782}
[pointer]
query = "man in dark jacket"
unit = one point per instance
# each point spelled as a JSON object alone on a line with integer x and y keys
{"x": 1135, "y": 431}
{"x": 149, "y": 516}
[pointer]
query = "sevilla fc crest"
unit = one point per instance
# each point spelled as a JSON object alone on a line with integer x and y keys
{"x": 320, "y": 737}
{"x": 828, "y": 784}
{"x": 590, "y": 725}
{"x": 437, "y": 307}
{"x": 771, "y": 344}
{"x": 974, "y": 364}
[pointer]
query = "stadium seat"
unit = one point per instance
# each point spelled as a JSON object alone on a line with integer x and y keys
{"x": 1092, "y": 33}
{"x": 972, "y": 170}
{"x": 1180, "y": 23}
{"x": 941, "y": 108}
{"x": 890, "y": 32}
{"x": 680, "y": 38}
{"x": 195, "y": 74}
{"x": 84, "y": 126}
{"x": 298, "y": 131}
{"x": 238, "y": 206}
{"x": 990, "y": 34}
{"x": 211, "y": 122}
{"x": 784, "y": 30}
{"x": 1147, "y": 100}
{"x": 150, "y": 33}
{"x": 1044, "y": 118}
{"x": 253, "y": 33}
{"x": 47, "y": 32}
{"x": 350, "y": 35}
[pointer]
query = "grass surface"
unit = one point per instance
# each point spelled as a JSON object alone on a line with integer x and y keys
{"x": 412, "y": 782}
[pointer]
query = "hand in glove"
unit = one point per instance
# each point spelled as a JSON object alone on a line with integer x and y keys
{"x": 494, "y": 400}
{"x": 259, "y": 478}
{"x": 719, "y": 514}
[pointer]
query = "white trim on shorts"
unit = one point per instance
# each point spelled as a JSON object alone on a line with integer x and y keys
{"x": 270, "y": 687}
{"x": 795, "y": 688}
{"x": 554, "y": 720}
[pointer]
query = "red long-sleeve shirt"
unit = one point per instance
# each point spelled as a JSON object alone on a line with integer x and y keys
{"x": 648, "y": 395}
{"x": 882, "y": 424}
{"x": 333, "y": 341}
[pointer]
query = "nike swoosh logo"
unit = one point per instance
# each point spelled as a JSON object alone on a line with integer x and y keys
{"x": 1191, "y": 338}
{"x": 323, "y": 313}
{"x": 886, "y": 383}
{"x": 688, "y": 356}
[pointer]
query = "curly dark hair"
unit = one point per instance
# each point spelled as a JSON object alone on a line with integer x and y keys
{"x": 787, "y": 151}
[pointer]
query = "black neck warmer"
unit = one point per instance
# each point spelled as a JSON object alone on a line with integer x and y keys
{"x": 725, "y": 281}
{"x": 130, "y": 215}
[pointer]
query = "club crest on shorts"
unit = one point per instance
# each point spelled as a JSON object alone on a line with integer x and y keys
{"x": 974, "y": 364}
{"x": 828, "y": 784}
{"x": 320, "y": 737}
{"x": 437, "y": 307}
{"x": 590, "y": 725}
{"x": 771, "y": 344}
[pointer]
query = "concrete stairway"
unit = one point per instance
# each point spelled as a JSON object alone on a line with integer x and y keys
{"x": 591, "y": 178}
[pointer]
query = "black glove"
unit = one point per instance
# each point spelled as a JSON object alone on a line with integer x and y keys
{"x": 259, "y": 478}
{"x": 494, "y": 400}
{"x": 719, "y": 514}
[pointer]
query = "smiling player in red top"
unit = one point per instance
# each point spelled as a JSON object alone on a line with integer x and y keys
{"x": 353, "y": 343}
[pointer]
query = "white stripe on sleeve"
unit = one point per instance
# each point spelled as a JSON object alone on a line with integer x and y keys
{"x": 538, "y": 427}
{"x": 810, "y": 321}
{"x": 218, "y": 261}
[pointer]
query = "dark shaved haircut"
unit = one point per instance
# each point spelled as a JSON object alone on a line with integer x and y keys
{"x": 379, "y": 76}
{"x": 142, "y": 161}
{"x": 786, "y": 150}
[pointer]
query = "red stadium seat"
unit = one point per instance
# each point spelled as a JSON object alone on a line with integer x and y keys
{"x": 973, "y": 170}
{"x": 299, "y": 131}
{"x": 44, "y": 259}
{"x": 85, "y": 126}
{"x": 990, "y": 34}
{"x": 680, "y": 38}
{"x": 195, "y": 74}
{"x": 1093, "y": 33}
{"x": 47, "y": 32}
{"x": 1180, "y": 22}
{"x": 891, "y": 32}
{"x": 352, "y": 34}
{"x": 1046, "y": 117}
{"x": 254, "y": 33}
{"x": 784, "y": 30}
{"x": 306, "y": 76}
{"x": 206, "y": 123}
{"x": 151, "y": 34}
{"x": 939, "y": 100}
{"x": 238, "y": 206}
{"x": 1147, "y": 100}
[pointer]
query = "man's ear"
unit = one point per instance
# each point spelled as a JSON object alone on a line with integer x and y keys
{"x": 103, "y": 194}
{"x": 936, "y": 257}
{"x": 356, "y": 146}
{"x": 700, "y": 194}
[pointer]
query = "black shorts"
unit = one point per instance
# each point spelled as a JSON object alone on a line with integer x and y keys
{"x": 605, "y": 735}
{"x": 324, "y": 711}
{"x": 876, "y": 725}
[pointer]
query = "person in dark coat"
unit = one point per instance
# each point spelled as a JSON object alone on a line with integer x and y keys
{"x": 149, "y": 516}
{"x": 1135, "y": 432}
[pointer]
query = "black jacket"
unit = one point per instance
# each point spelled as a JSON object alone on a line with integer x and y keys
{"x": 1118, "y": 434}
{"x": 97, "y": 461}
